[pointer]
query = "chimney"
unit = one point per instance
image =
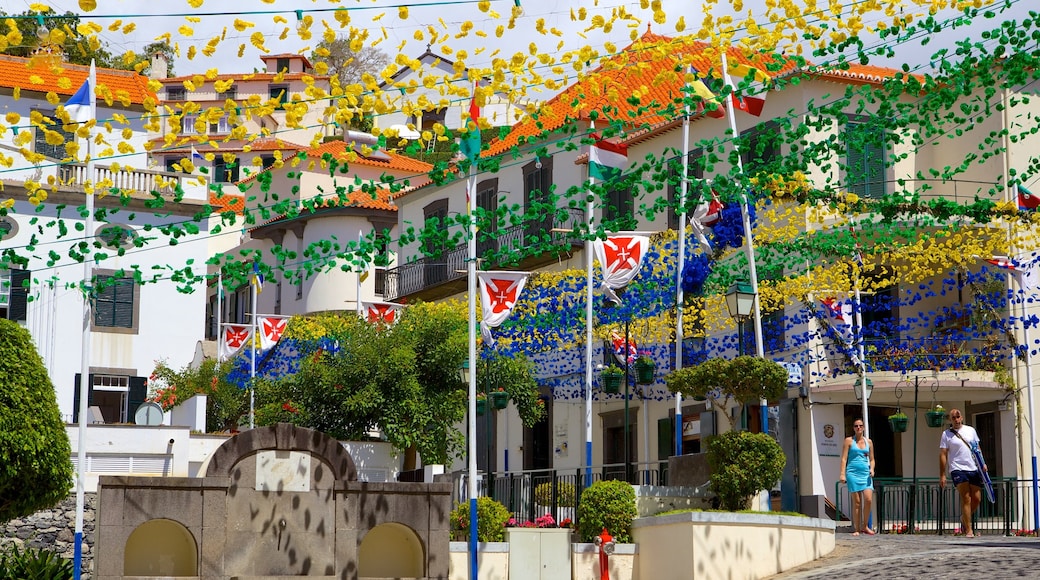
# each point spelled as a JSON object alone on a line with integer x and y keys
{"x": 159, "y": 66}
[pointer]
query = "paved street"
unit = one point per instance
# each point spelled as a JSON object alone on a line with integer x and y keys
{"x": 923, "y": 556}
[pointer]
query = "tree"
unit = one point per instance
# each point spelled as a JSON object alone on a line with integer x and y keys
{"x": 347, "y": 65}
{"x": 226, "y": 404}
{"x": 61, "y": 30}
{"x": 742, "y": 380}
{"x": 35, "y": 464}
{"x": 402, "y": 380}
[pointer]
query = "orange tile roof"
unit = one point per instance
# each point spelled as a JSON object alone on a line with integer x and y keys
{"x": 645, "y": 69}
{"x": 65, "y": 79}
{"x": 227, "y": 202}
{"x": 342, "y": 151}
{"x": 259, "y": 76}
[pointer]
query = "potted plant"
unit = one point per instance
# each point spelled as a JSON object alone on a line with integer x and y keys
{"x": 644, "y": 369}
{"x": 481, "y": 403}
{"x": 898, "y": 422}
{"x": 936, "y": 416}
{"x": 611, "y": 379}
{"x": 499, "y": 399}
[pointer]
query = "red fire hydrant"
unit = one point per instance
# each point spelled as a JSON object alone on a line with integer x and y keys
{"x": 606, "y": 547}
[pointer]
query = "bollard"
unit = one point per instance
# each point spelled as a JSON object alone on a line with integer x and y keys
{"x": 606, "y": 547}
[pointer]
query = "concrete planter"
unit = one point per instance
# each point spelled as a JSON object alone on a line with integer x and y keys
{"x": 539, "y": 553}
{"x": 622, "y": 563}
{"x": 728, "y": 545}
{"x": 492, "y": 560}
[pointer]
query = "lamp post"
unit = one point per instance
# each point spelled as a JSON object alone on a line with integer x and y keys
{"x": 740, "y": 302}
{"x": 464, "y": 376}
{"x": 628, "y": 454}
{"x": 912, "y": 504}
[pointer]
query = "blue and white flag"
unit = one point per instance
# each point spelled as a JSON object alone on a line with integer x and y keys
{"x": 80, "y": 107}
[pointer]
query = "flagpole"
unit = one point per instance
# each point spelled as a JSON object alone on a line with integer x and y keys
{"x": 857, "y": 308}
{"x": 253, "y": 283}
{"x": 358, "y": 297}
{"x": 752, "y": 269}
{"x": 471, "y": 274}
{"x": 590, "y": 219}
{"x": 84, "y": 377}
{"x": 684, "y": 185}
{"x": 220, "y": 309}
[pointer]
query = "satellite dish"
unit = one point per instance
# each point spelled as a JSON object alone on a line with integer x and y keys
{"x": 149, "y": 414}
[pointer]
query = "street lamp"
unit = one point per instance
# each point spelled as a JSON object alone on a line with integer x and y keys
{"x": 740, "y": 300}
{"x": 464, "y": 372}
{"x": 858, "y": 388}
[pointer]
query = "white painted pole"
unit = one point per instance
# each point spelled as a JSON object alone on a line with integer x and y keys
{"x": 471, "y": 273}
{"x": 589, "y": 219}
{"x": 750, "y": 246}
{"x": 84, "y": 378}
{"x": 684, "y": 189}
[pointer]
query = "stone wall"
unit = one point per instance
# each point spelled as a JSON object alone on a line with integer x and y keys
{"x": 54, "y": 529}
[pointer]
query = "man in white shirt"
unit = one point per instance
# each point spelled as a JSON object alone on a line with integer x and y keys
{"x": 955, "y": 454}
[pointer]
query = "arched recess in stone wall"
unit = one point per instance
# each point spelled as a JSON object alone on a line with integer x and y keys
{"x": 391, "y": 550}
{"x": 283, "y": 436}
{"x": 161, "y": 547}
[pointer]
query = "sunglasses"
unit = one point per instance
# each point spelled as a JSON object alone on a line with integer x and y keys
{"x": 858, "y": 426}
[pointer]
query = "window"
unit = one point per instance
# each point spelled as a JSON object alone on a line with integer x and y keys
{"x": 538, "y": 205}
{"x": 224, "y": 172}
{"x": 280, "y": 93}
{"x": 220, "y": 127}
{"x": 14, "y": 294}
{"x": 116, "y": 302}
{"x": 381, "y": 260}
{"x": 425, "y": 120}
{"x": 175, "y": 94}
{"x": 760, "y": 149}
{"x": 40, "y": 144}
{"x": 865, "y": 157}
{"x": 694, "y": 191}
{"x": 282, "y": 65}
{"x": 188, "y": 124}
{"x": 267, "y": 161}
{"x": 113, "y": 395}
{"x": 620, "y": 206}
{"x": 487, "y": 224}
{"x": 176, "y": 160}
{"x": 435, "y": 241}
{"x": 211, "y": 318}
{"x": 231, "y": 92}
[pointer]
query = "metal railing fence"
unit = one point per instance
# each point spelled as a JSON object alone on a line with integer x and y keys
{"x": 936, "y": 510}
{"x": 531, "y": 494}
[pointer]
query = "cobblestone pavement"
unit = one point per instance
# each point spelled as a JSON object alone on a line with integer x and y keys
{"x": 894, "y": 556}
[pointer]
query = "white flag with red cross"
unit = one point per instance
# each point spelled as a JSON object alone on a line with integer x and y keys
{"x": 620, "y": 257}
{"x": 271, "y": 329}
{"x": 499, "y": 292}
{"x": 381, "y": 312}
{"x": 232, "y": 338}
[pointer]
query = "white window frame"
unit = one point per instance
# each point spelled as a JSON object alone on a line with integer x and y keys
{"x": 188, "y": 125}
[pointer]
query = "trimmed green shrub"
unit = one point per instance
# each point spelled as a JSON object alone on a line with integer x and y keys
{"x": 33, "y": 564}
{"x": 566, "y": 494}
{"x": 491, "y": 521}
{"x": 742, "y": 464}
{"x": 607, "y": 504}
{"x": 35, "y": 457}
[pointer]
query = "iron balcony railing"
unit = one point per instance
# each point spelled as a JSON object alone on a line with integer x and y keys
{"x": 534, "y": 493}
{"x": 430, "y": 271}
{"x": 936, "y": 510}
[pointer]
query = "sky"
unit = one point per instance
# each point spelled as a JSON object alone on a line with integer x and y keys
{"x": 154, "y": 18}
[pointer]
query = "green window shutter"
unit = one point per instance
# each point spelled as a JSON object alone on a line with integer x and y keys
{"x": 135, "y": 398}
{"x": 865, "y": 159}
{"x": 19, "y": 297}
{"x": 665, "y": 438}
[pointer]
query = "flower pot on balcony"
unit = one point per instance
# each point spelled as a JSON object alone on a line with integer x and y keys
{"x": 481, "y": 406}
{"x": 611, "y": 382}
{"x": 935, "y": 418}
{"x": 898, "y": 423}
{"x": 644, "y": 372}
{"x": 499, "y": 399}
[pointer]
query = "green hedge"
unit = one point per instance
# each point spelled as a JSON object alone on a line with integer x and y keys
{"x": 607, "y": 504}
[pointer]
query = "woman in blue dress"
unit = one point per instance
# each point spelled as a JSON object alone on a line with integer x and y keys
{"x": 857, "y": 471}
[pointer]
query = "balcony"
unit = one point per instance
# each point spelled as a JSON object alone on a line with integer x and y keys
{"x": 433, "y": 277}
{"x": 74, "y": 175}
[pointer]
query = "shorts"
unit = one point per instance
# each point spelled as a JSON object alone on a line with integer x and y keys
{"x": 972, "y": 477}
